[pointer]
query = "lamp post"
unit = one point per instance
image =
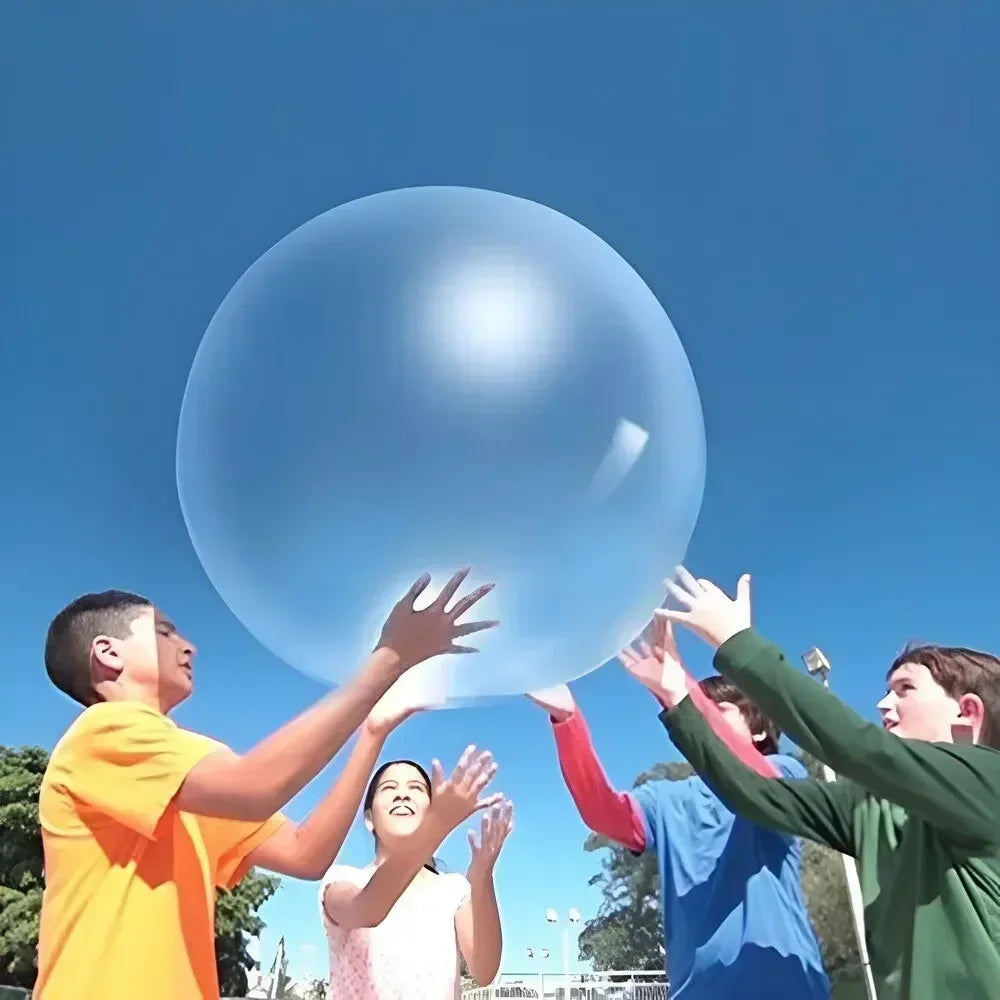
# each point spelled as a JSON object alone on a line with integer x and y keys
{"x": 819, "y": 667}
{"x": 542, "y": 956}
{"x": 574, "y": 918}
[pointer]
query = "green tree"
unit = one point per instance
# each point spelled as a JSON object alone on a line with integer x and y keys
{"x": 316, "y": 990}
{"x": 236, "y": 921}
{"x": 627, "y": 932}
{"x": 22, "y": 881}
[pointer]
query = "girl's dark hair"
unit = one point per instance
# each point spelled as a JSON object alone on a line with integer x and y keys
{"x": 373, "y": 786}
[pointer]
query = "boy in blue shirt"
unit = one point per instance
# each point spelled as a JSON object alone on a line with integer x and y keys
{"x": 734, "y": 917}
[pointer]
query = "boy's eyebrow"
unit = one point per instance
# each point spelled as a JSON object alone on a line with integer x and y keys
{"x": 167, "y": 624}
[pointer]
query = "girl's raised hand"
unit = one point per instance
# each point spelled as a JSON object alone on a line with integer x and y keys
{"x": 455, "y": 799}
{"x": 497, "y": 823}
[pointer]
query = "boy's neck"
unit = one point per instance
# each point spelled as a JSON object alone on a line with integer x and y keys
{"x": 119, "y": 693}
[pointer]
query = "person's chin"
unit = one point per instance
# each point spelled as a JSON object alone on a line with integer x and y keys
{"x": 181, "y": 691}
{"x": 405, "y": 829}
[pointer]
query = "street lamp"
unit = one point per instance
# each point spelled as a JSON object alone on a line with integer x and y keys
{"x": 819, "y": 666}
{"x": 574, "y": 918}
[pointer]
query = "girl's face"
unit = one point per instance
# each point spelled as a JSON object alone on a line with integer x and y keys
{"x": 399, "y": 804}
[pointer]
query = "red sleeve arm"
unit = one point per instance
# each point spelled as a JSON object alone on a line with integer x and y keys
{"x": 738, "y": 746}
{"x": 613, "y": 814}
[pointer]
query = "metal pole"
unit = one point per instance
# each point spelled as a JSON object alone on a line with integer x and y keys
{"x": 565, "y": 937}
{"x": 850, "y": 867}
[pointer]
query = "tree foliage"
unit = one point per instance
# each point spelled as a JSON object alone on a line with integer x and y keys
{"x": 627, "y": 932}
{"x": 236, "y": 921}
{"x": 20, "y": 862}
{"x": 22, "y": 882}
{"x": 316, "y": 990}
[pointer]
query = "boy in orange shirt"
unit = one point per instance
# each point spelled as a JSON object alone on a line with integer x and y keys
{"x": 141, "y": 820}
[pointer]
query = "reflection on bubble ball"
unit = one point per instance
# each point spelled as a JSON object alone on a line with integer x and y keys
{"x": 430, "y": 378}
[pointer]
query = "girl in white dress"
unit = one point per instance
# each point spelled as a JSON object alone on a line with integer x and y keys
{"x": 396, "y": 927}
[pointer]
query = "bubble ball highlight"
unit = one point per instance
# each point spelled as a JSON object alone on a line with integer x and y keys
{"x": 430, "y": 378}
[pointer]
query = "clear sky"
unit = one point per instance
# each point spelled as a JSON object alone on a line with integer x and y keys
{"x": 809, "y": 189}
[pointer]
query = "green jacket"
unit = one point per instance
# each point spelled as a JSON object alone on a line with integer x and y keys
{"x": 922, "y": 819}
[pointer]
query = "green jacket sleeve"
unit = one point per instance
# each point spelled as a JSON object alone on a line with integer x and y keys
{"x": 954, "y": 787}
{"x": 802, "y": 807}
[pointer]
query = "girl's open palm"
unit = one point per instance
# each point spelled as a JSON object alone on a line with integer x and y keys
{"x": 496, "y": 826}
{"x": 456, "y": 798}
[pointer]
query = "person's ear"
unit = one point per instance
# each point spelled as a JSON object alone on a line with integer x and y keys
{"x": 970, "y": 720}
{"x": 106, "y": 660}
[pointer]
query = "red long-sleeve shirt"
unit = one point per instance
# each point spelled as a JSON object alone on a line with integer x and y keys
{"x": 617, "y": 815}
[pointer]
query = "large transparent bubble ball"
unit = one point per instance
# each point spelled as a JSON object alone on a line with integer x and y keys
{"x": 430, "y": 378}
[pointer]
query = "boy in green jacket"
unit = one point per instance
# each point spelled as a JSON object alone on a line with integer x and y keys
{"x": 918, "y": 805}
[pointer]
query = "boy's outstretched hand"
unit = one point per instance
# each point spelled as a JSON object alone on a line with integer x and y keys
{"x": 657, "y": 665}
{"x": 557, "y": 701}
{"x": 710, "y": 613}
{"x": 415, "y": 636}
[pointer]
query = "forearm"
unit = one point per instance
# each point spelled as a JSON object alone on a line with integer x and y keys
{"x": 277, "y": 769}
{"x": 798, "y": 807}
{"x": 611, "y": 813}
{"x": 321, "y": 836}
{"x": 487, "y": 935}
{"x": 372, "y": 904}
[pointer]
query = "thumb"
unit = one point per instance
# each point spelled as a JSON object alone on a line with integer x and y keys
{"x": 437, "y": 774}
{"x": 743, "y": 591}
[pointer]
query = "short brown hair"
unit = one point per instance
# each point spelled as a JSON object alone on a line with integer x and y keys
{"x": 959, "y": 671}
{"x": 73, "y": 630}
{"x": 719, "y": 690}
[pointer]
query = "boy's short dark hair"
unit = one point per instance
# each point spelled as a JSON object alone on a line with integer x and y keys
{"x": 961, "y": 671}
{"x": 719, "y": 690}
{"x": 73, "y": 630}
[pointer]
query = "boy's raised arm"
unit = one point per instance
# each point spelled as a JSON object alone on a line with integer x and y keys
{"x": 805, "y": 808}
{"x": 259, "y": 783}
{"x": 605, "y": 810}
{"x": 954, "y": 787}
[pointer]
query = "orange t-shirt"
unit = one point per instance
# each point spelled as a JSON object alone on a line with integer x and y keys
{"x": 129, "y": 904}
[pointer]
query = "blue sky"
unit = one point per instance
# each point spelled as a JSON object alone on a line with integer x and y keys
{"x": 810, "y": 191}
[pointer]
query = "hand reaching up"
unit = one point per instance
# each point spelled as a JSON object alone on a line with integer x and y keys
{"x": 416, "y": 636}
{"x": 710, "y": 613}
{"x": 657, "y": 664}
{"x": 557, "y": 701}
{"x": 497, "y": 823}
{"x": 455, "y": 799}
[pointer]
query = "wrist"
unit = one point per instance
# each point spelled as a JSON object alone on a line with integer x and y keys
{"x": 372, "y": 736}
{"x": 388, "y": 662}
{"x": 480, "y": 873}
{"x": 671, "y": 695}
{"x": 437, "y": 826}
{"x": 724, "y": 635}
